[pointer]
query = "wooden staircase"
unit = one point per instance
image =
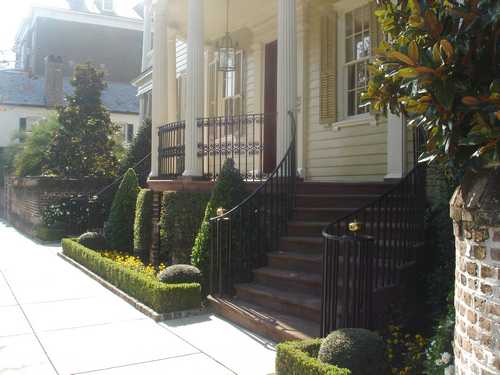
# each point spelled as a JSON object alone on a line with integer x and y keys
{"x": 283, "y": 300}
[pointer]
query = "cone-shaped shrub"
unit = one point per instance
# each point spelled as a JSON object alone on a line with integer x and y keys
{"x": 229, "y": 191}
{"x": 119, "y": 229}
{"x": 143, "y": 225}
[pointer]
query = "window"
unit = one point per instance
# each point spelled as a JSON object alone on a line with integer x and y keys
{"x": 22, "y": 124}
{"x": 232, "y": 88}
{"x": 358, "y": 45}
{"x": 130, "y": 133}
{"x": 107, "y": 5}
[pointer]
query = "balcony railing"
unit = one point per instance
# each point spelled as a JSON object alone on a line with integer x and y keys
{"x": 240, "y": 138}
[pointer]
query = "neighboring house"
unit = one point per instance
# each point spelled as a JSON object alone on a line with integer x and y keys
{"x": 99, "y": 31}
{"x": 304, "y": 57}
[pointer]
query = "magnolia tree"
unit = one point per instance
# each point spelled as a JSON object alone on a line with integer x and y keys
{"x": 440, "y": 66}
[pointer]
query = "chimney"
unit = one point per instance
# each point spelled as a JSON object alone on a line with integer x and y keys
{"x": 54, "y": 94}
{"x": 78, "y": 5}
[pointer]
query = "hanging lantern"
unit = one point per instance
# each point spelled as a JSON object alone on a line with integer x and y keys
{"x": 226, "y": 49}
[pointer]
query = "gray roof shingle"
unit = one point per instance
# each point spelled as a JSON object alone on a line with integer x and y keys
{"x": 18, "y": 88}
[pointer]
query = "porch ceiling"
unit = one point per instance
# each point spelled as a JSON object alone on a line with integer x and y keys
{"x": 243, "y": 15}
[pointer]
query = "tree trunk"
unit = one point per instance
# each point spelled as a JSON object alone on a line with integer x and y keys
{"x": 475, "y": 210}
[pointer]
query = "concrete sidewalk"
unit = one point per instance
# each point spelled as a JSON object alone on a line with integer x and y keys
{"x": 56, "y": 320}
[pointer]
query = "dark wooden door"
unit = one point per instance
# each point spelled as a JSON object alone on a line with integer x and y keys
{"x": 270, "y": 98}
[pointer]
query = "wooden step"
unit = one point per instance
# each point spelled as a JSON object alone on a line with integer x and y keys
{"x": 334, "y": 200}
{"x": 306, "y": 228}
{"x": 301, "y": 305}
{"x": 295, "y": 261}
{"x": 268, "y": 323}
{"x": 304, "y": 282}
{"x": 302, "y": 244}
{"x": 321, "y": 214}
{"x": 343, "y": 187}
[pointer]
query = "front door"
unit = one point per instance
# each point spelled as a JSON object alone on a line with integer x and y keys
{"x": 270, "y": 106}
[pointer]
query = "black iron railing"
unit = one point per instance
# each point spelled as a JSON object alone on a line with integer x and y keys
{"x": 367, "y": 250}
{"x": 171, "y": 150}
{"x": 240, "y": 138}
{"x": 241, "y": 238}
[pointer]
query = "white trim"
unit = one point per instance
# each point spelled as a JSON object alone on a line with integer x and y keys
{"x": 362, "y": 119}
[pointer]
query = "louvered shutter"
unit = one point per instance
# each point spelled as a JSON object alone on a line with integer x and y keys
{"x": 376, "y": 32}
{"x": 328, "y": 74}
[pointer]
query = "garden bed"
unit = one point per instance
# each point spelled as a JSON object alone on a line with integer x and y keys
{"x": 300, "y": 358}
{"x": 158, "y": 300}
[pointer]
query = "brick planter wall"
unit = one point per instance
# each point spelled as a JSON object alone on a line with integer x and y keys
{"x": 475, "y": 209}
{"x": 29, "y": 196}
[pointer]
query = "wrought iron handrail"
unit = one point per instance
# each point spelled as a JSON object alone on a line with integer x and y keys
{"x": 394, "y": 223}
{"x": 242, "y": 236}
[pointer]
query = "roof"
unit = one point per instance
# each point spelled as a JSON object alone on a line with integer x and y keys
{"x": 18, "y": 88}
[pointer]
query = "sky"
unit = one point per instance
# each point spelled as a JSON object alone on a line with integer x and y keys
{"x": 13, "y": 12}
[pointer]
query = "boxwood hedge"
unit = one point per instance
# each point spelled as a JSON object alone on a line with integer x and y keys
{"x": 163, "y": 298}
{"x": 300, "y": 358}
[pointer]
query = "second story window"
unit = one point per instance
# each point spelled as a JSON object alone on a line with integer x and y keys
{"x": 107, "y": 5}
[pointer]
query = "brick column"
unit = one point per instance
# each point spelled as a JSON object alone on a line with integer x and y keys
{"x": 155, "y": 243}
{"x": 475, "y": 210}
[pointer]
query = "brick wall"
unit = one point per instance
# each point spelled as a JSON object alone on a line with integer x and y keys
{"x": 476, "y": 215}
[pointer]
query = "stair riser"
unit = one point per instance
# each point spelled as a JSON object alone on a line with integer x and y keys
{"x": 315, "y": 201}
{"x": 301, "y": 230}
{"x": 293, "y": 245}
{"x": 332, "y": 188}
{"x": 294, "y": 264}
{"x": 301, "y": 311}
{"x": 333, "y": 215}
{"x": 312, "y": 288}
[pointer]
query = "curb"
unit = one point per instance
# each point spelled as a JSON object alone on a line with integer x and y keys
{"x": 157, "y": 317}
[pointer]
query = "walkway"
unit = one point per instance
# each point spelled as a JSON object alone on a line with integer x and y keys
{"x": 56, "y": 320}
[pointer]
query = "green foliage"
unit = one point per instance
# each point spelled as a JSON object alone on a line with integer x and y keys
{"x": 440, "y": 350}
{"x": 229, "y": 191}
{"x": 70, "y": 214}
{"x": 441, "y": 68}
{"x": 83, "y": 145}
{"x": 359, "y": 350}
{"x": 93, "y": 240}
{"x": 180, "y": 220}
{"x": 119, "y": 228}
{"x": 162, "y": 298}
{"x": 179, "y": 274}
{"x": 405, "y": 352}
{"x": 300, "y": 358}
{"x": 138, "y": 150}
{"x": 46, "y": 234}
{"x": 143, "y": 224}
{"x": 30, "y": 159}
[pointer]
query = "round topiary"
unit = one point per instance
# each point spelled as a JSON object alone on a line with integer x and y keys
{"x": 93, "y": 240}
{"x": 180, "y": 273}
{"x": 356, "y": 349}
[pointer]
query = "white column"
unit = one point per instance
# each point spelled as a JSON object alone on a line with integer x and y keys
{"x": 146, "y": 35}
{"x": 172, "y": 76}
{"x": 195, "y": 89}
{"x": 160, "y": 80}
{"x": 287, "y": 73}
{"x": 396, "y": 147}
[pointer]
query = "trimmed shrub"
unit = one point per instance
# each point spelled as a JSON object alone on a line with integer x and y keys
{"x": 137, "y": 152}
{"x": 143, "y": 224}
{"x": 300, "y": 358}
{"x": 179, "y": 274}
{"x": 119, "y": 229}
{"x": 229, "y": 191}
{"x": 93, "y": 240}
{"x": 359, "y": 350}
{"x": 52, "y": 234}
{"x": 162, "y": 298}
{"x": 180, "y": 220}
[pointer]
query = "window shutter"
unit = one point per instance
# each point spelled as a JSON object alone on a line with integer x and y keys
{"x": 22, "y": 124}
{"x": 376, "y": 32}
{"x": 328, "y": 74}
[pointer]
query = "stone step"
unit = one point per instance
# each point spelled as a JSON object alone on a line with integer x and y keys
{"x": 343, "y": 187}
{"x": 302, "y": 244}
{"x": 334, "y": 200}
{"x": 268, "y": 323}
{"x": 302, "y": 305}
{"x": 284, "y": 279}
{"x": 295, "y": 261}
{"x": 306, "y": 228}
{"x": 331, "y": 214}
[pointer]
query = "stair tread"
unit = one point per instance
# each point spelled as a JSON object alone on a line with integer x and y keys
{"x": 307, "y": 239}
{"x": 276, "y": 324}
{"x": 297, "y": 255}
{"x": 338, "y": 195}
{"x": 297, "y": 298}
{"x": 290, "y": 274}
{"x": 309, "y": 223}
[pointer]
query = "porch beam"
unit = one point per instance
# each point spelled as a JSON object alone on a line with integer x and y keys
{"x": 287, "y": 73}
{"x": 195, "y": 86}
{"x": 160, "y": 80}
{"x": 396, "y": 147}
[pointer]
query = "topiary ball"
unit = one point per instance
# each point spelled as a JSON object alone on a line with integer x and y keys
{"x": 179, "y": 274}
{"x": 356, "y": 349}
{"x": 93, "y": 240}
